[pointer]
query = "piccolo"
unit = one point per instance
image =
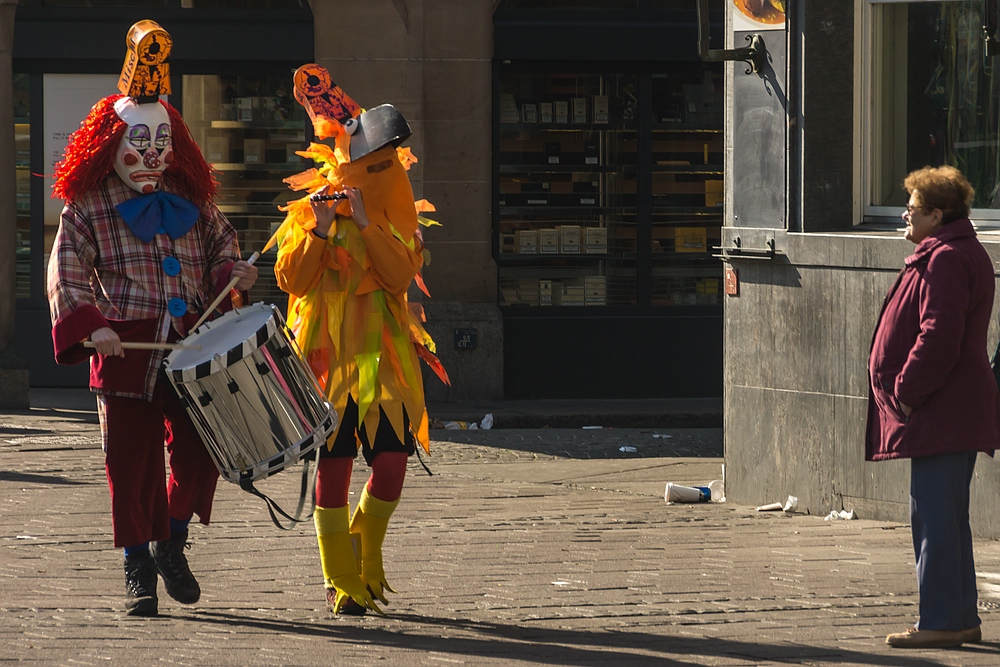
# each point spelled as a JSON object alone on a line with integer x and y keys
{"x": 335, "y": 196}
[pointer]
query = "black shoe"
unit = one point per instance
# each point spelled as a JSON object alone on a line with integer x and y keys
{"x": 349, "y": 608}
{"x": 172, "y": 564}
{"x": 140, "y": 586}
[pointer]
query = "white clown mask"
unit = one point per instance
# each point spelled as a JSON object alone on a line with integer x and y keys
{"x": 145, "y": 150}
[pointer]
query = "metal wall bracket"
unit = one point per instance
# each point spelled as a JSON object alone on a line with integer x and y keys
{"x": 754, "y": 55}
{"x": 737, "y": 251}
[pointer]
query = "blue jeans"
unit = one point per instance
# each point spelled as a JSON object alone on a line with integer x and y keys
{"x": 942, "y": 541}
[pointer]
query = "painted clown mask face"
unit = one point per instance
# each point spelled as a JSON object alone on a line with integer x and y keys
{"x": 145, "y": 150}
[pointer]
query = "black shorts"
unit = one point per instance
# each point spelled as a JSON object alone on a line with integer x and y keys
{"x": 346, "y": 445}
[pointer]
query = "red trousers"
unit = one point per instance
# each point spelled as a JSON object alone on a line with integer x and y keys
{"x": 142, "y": 500}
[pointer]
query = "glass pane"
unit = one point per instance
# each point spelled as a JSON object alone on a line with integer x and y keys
{"x": 572, "y": 4}
{"x": 248, "y": 128}
{"x": 687, "y": 166}
{"x": 937, "y": 99}
{"x": 105, "y": 3}
{"x": 242, "y": 4}
{"x": 567, "y": 189}
{"x": 22, "y": 168}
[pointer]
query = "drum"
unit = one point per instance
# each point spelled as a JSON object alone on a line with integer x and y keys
{"x": 256, "y": 405}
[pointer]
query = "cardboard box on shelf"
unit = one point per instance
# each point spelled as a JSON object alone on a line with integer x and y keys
{"x": 507, "y": 243}
{"x": 253, "y": 151}
{"x": 595, "y": 240}
{"x": 562, "y": 111}
{"x": 526, "y": 241}
{"x": 290, "y": 155}
{"x": 591, "y": 152}
{"x": 714, "y": 193}
{"x": 595, "y": 290}
{"x": 545, "y": 112}
{"x": 508, "y": 109}
{"x": 601, "y": 116}
{"x": 553, "y": 152}
{"x": 548, "y": 241}
{"x": 247, "y": 108}
{"x": 529, "y": 113}
{"x": 569, "y": 239}
{"x": 544, "y": 292}
{"x": 690, "y": 239}
{"x": 580, "y": 110}
{"x": 217, "y": 149}
{"x": 568, "y": 294}
{"x": 527, "y": 291}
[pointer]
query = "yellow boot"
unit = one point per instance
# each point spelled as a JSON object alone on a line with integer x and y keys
{"x": 371, "y": 518}
{"x": 336, "y": 554}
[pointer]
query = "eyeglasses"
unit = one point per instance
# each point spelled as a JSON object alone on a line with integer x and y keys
{"x": 911, "y": 209}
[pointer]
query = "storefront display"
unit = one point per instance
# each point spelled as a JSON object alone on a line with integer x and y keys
{"x": 249, "y": 128}
{"x": 599, "y": 207}
{"x": 22, "y": 175}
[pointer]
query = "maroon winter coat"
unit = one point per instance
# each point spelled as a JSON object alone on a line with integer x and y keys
{"x": 929, "y": 352}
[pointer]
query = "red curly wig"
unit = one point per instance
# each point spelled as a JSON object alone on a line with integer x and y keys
{"x": 90, "y": 156}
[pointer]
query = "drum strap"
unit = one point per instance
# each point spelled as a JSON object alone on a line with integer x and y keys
{"x": 308, "y": 487}
{"x": 421, "y": 459}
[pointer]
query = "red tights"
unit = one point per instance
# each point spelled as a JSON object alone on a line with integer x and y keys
{"x": 333, "y": 480}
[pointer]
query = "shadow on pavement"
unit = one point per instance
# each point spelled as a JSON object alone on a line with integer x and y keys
{"x": 29, "y": 478}
{"x": 604, "y": 443}
{"x": 574, "y": 647}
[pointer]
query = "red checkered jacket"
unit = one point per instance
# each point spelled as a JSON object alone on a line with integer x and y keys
{"x": 101, "y": 275}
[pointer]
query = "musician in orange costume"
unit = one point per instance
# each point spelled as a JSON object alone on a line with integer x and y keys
{"x": 347, "y": 267}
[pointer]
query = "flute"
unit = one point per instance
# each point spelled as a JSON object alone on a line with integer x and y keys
{"x": 332, "y": 197}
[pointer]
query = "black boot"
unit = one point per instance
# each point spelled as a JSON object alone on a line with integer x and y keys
{"x": 140, "y": 586}
{"x": 172, "y": 564}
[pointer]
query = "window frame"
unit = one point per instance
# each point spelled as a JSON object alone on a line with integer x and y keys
{"x": 870, "y": 72}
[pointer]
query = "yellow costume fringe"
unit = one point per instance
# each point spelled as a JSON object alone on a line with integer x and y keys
{"x": 347, "y": 294}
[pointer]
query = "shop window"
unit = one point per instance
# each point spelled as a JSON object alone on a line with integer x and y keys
{"x": 243, "y": 4}
{"x": 22, "y": 168}
{"x": 933, "y": 98}
{"x": 607, "y": 196}
{"x": 105, "y": 3}
{"x": 249, "y": 128}
{"x": 570, "y": 4}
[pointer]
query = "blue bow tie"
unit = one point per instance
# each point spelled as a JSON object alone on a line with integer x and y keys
{"x": 159, "y": 213}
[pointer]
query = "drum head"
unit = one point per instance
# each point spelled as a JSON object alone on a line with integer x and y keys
{"x": 233, "y": 336}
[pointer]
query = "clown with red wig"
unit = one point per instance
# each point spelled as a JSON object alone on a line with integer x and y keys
{"x": 141, "y": 250}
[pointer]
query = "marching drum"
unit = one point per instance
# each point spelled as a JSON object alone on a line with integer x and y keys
{"x": 254, "y": 402}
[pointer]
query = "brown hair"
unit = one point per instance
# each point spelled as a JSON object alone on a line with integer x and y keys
{"x": 944, "y": 188}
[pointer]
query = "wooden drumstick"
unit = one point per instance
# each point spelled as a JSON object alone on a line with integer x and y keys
{"x": 223, "y": 293}
{"x": 149, "y": 346}
{"x": 232, "y": 283}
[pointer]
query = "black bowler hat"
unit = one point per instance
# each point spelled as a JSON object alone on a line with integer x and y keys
{"x": 376, "y": 128}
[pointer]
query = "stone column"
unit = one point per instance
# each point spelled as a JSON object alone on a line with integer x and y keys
{"x": 13, "y": 371}
{"x": 432, "y": 60}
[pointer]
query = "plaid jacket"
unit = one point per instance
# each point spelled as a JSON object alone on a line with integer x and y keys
{"x": 101, "y": 275}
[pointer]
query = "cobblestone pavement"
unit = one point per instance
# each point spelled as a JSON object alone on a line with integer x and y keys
{"x": 527, "y": 547}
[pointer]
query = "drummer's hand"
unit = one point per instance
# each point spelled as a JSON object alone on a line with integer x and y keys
{"x": 325, "y": 212}
{"x": 247, "y": 274}
{"x": 107, "y": 342}
{"x": 357, "y": 207}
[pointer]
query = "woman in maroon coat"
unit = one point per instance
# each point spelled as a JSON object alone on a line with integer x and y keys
{"x": 933, "y": 397}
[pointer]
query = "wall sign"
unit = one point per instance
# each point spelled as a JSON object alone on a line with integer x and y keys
{"x": 465, "y": 339}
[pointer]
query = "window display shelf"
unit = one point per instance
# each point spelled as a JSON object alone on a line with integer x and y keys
{"x": 276, "y": 166}
{"x": 249, "y": 128}
{"x": 22, "y": 184}
{"x": 257, "y": 124}
{"x": 647, "y": 195}
{"x": 555, "y": 169}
